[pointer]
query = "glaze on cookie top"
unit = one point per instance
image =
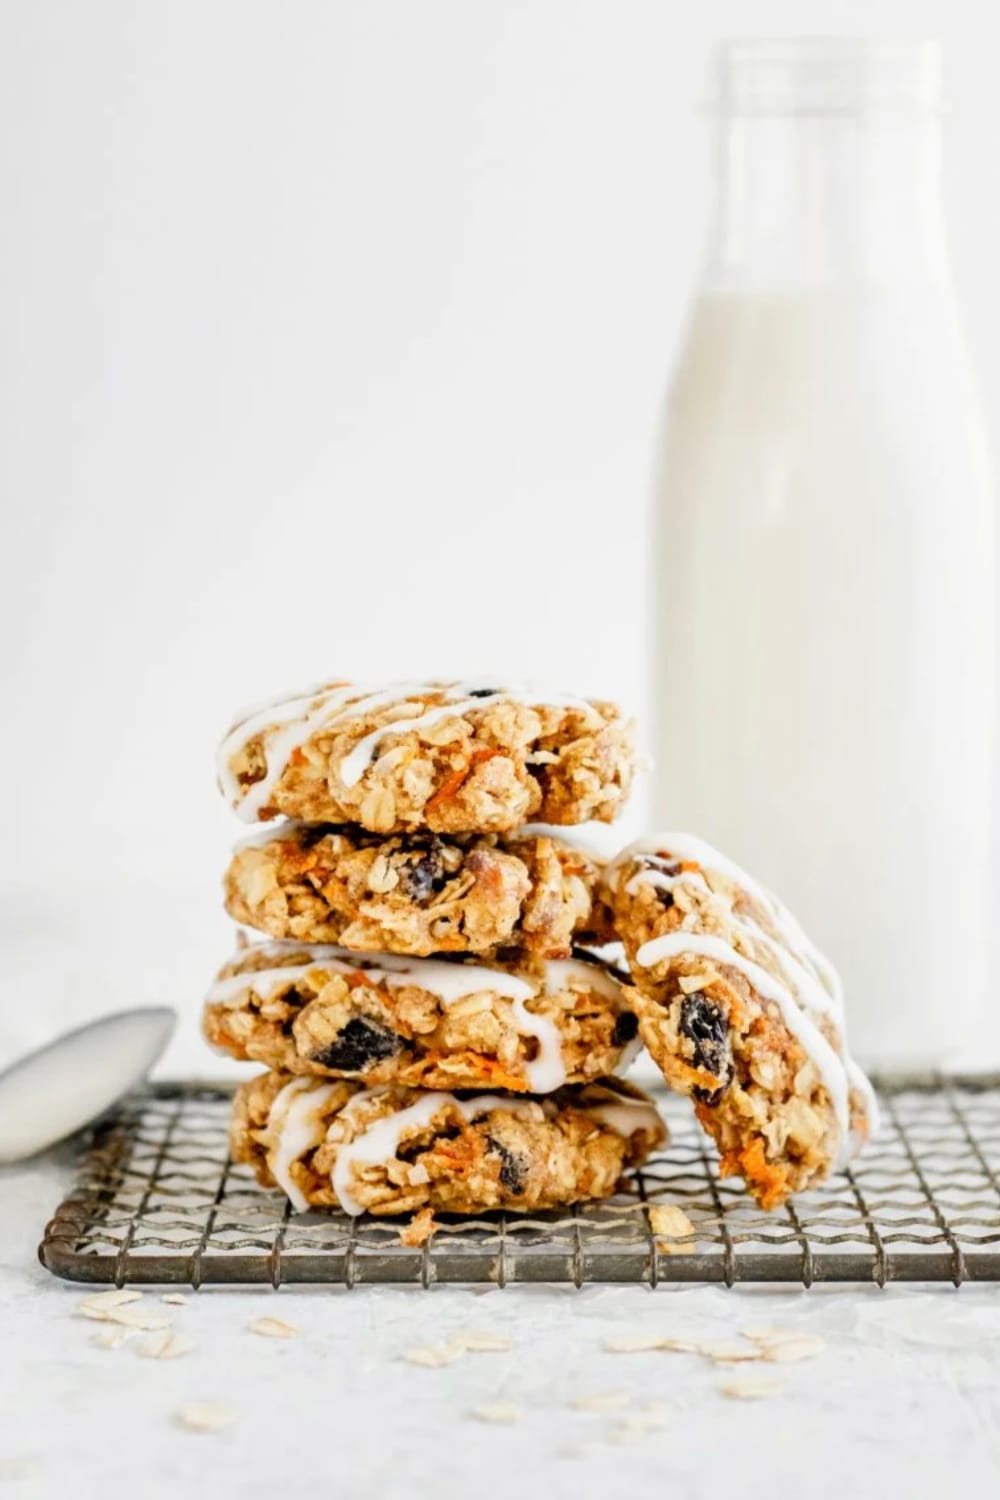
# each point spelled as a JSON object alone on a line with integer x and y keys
{"x": 288, "y": 723}
{"x": 269, "y": 761}
{"x": 264, "y": 969}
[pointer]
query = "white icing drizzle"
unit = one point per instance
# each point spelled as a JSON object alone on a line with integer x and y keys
{"x": 356, "y": 762}
{"x": 295, "y": 721}
{"x": 295, "y": 1127}
{"x": 450, "y": 982}
{"x": 626, "y": 1116}
{"x": 830, "y": 1066}
{"x": 263, "y": 982}
{"x": 561, "y": 972}
{"x": 269, "y": 834}
{"x": 808, "y": 970}
{"x": 286, "y": 726}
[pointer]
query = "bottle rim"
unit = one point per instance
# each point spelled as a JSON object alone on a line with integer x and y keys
{"x": 826, "y": 76}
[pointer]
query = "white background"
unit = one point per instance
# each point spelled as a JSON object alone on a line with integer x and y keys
{"x": 333, "y": 340}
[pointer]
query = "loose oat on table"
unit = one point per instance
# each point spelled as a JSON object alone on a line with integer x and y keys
{"x": 503, "y": 1413}
{"x": 115, "y": 1297}
{"x": 419, "y": 893}
{"x": 205, "y": 1416}
{"x": 751, "y": 1388}
{"x": 741, "y": 1012}
{"x": 600, "y": 1401}
{"x": 522, "y": 1025}
{"x": 392, "y": 1150}
{"x": 475, "y": 1342}
{"x": 451, "y": 757}
{"x": 431, "y": 1356}
{"x": 165, "y": 1345}
{"x": 640, "y": 1343}
{"x": 129, "y": 1316}
{"x": 728, "y": 1351}
{"x": 273, "y": 1328}
{"x": 789, "y": 1351}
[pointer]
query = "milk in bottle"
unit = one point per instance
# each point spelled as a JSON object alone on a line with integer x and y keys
{"x": 824, "y": 554}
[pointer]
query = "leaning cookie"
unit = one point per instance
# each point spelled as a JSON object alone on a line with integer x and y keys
{"x": 741, "y": 1011}
{"x": 420, "y": 1022}
{"x": 452, "y": 757}
{"x": 420, "y": 894}
{"x": 396, "y": 1150}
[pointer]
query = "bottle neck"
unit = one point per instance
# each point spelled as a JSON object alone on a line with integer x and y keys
{"x": 807, "y": 201}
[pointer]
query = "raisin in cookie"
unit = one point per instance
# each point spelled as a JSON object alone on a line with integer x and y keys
{"x": 740, "y": 1011}
{"x": 421, "y": 1022}
{"x": 394, "y": 1150}
{"x": 452, "y": 757}
{"x": 418, "y": 894}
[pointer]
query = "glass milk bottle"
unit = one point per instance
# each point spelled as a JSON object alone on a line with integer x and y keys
{"x": 824, "y": 552}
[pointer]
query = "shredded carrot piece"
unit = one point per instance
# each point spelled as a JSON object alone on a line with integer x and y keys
{"x": 448, "y": 788}
{"x": 458, "y": 778}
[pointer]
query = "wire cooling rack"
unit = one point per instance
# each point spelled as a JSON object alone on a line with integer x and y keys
{"x": 158, "y": 1200}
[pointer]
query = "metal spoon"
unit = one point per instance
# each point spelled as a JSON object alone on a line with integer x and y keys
{"x": 62, "y": 1086}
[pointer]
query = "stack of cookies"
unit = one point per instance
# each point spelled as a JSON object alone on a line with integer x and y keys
{"x": 437, "y": 1031}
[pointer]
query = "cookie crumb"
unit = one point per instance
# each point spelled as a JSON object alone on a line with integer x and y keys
{"x": 273, "y": 1328}
{"x": 174, "y": 1299}
{"x": 500, "y": 1412}
{"x": 205, "y": 1416}
{"x": 670, "y": 1223}
{"x": 752, "y": 1388}
{"x": 419, "y": 1230}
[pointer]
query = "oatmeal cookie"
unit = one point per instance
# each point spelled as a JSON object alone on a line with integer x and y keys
{"x": 394, "y": 1150}
{"x": 419, "y": 894}
{"x": 421, "y": 1022}
{"x": 451, "y": 757}
{"x": 741, "y": 1011}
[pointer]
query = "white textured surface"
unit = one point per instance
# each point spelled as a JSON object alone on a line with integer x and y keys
{"x": 904, "y": 1399}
